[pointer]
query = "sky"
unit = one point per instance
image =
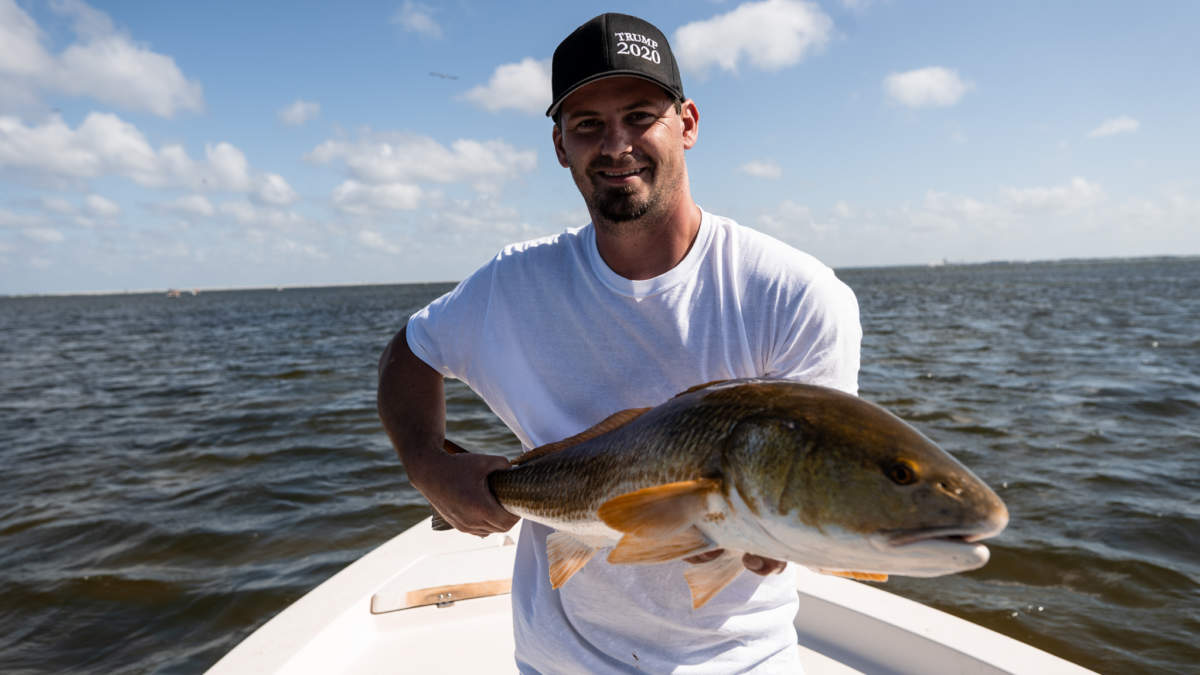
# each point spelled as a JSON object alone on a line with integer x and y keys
{"x": 230, "y": 144}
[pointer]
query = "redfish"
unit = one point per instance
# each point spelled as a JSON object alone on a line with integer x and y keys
{"x": 771, "y": 467}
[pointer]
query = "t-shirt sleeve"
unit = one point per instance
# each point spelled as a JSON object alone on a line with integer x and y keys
{"x": 445, "y": 332}
{"x": 821, "y": 342}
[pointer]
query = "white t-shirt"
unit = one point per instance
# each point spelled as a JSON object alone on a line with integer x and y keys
{"x": 554, "y": 341}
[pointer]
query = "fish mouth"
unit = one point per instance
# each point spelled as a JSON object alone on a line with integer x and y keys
{"x": 965, "y": 536}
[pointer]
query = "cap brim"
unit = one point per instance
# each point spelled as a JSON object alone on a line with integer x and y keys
{"x": 604, "y": 76}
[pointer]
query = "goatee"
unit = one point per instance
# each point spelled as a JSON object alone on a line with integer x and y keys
{"x": 620, "y": 205}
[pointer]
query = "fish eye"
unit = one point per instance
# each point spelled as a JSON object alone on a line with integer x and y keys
{"x": 901, "y": 473}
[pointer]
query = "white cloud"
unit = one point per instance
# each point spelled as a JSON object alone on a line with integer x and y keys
{"x": 101, "y": 207}
{"x": 375, "y": 240}
{"x": 19, "y": 220}
{"x": 299, "y": 112}
{"x": 246, "y": 213}
{"x": 359, "y": 199}
{"x": 105, "y": 145}
{"x": 273, "y": 189}
{"x": 925, "y": 87}
{"x": 791, "y": 220}
{"x": 196, "y": 205}
{"x": 406, "y": 158}
{"x": 104, "y": 64}
{"x": 44, "y": 235}
{"x": 771, "y": 35}
{"x": 417, "y": 18}
{"x": 761, "y": 168}
{"x": 1117, "y": 125}
{"x": 1075, "y": 195}
{"x": 523, "y": 86}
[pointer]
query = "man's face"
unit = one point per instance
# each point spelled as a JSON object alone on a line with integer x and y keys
{"x": 624, "y": 143}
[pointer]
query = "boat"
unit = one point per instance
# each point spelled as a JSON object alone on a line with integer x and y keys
{"x": 438, "y": 602}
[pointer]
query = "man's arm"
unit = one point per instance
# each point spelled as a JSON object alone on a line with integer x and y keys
{"x": 412, "y": 407}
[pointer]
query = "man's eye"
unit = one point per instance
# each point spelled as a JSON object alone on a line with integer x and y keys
{"x": 642, "y": 117}
{"x": 587, "y": 125}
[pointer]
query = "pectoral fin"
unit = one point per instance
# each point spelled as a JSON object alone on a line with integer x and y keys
{"x": 636, "y": 549}
{"x": 708, "y": 578}
{"x": 658, "y": 511}
{"x": 567, "y": 555}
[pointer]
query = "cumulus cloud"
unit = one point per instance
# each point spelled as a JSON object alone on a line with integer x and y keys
{"x": 273, "y": 189}
{"x": 761, "y": 168}
{"x": 299, "y": 112}
{"x": 101, "y": 207}
{"x": 925, "y": 87}
{"x": 523, "y": 86}
{"x": 375, "y": 240}
{"x": 196, "y": 205}
{"x": 44, "y": 235}
{"x": 1117, "y": 125}
{"x": 417, "y": 18}
{"x": 359, "y": 199}
{"x": 103, "y": 63}
{"x": 770, "y": 35}
{"x": 790, "y": 220}
{"x": 1077, "y": 194}
{"x": 246, "y": 213}
{"x": 105, "y": 145}
{"x": 386, "y": 169}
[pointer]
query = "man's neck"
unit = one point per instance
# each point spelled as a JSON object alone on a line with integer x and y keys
{"x": 644, "y": 250}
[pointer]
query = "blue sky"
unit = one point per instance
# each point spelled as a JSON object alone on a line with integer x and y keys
{"x": 229, "y": 144}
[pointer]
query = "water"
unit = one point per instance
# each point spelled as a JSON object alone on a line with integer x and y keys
{"x": 178, "y": 471}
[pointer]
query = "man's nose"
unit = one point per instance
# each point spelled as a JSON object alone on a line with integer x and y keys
{"x": 617, "y": 141}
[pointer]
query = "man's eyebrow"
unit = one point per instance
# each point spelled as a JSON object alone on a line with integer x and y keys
{"x": 642, "y": 103}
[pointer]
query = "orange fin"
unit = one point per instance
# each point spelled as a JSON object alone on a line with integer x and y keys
{"x": 567, "y": 555}
{"x": 660, "y": 510}
{"x": 861, "y": 576}
{"x": 453, "y": 448}
{"x": 613, "y": 421}
{"x": 706, "y": 579}
{"x": 635, "y": 549}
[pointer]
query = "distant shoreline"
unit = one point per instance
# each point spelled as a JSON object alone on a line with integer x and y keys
{"x": 186, "y": 291}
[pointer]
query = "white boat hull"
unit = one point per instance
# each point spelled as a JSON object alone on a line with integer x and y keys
{"x": 381, "y": 614}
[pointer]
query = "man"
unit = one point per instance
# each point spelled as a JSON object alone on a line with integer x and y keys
{"x": 652, "y": 297}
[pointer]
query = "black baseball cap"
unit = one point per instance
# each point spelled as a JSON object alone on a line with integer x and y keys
{"x": 612, "y": 45}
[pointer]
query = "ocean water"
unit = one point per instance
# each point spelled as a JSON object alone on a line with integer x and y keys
{"x": 177, "y": 471}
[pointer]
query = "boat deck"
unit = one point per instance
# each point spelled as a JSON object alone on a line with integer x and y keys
{"x": 438, "y": 602}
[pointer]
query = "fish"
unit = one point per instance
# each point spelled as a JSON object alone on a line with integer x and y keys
{"x": 772, "y": 467}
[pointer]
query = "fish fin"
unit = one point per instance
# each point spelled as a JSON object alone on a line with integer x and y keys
{"x": 567, "y": 555}
{"x": 861, "y": 576}
{"x": 635, "y": 549}
{"x": 453, "y": 448}
{"x": 438, "y": 522}
{"x": 610, "y": 423}
{"x": 698, "y": 387}
{"x": 706, "y": 579}
{"x": 660, "y": 510}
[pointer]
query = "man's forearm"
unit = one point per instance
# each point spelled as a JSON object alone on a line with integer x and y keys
{"x": 412, "y": 407}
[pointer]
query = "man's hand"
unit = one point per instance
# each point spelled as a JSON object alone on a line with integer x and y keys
{"x": 754, "y": 563}
{"x": 456, "y": 485}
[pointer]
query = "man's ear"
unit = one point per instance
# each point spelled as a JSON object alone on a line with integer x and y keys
{"x": 689, "y": 114}
{"x": 556, "y": 134}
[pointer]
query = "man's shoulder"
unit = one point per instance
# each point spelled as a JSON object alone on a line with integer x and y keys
{"x": 541, "y": 250}
{"x": 764, "y": 256}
